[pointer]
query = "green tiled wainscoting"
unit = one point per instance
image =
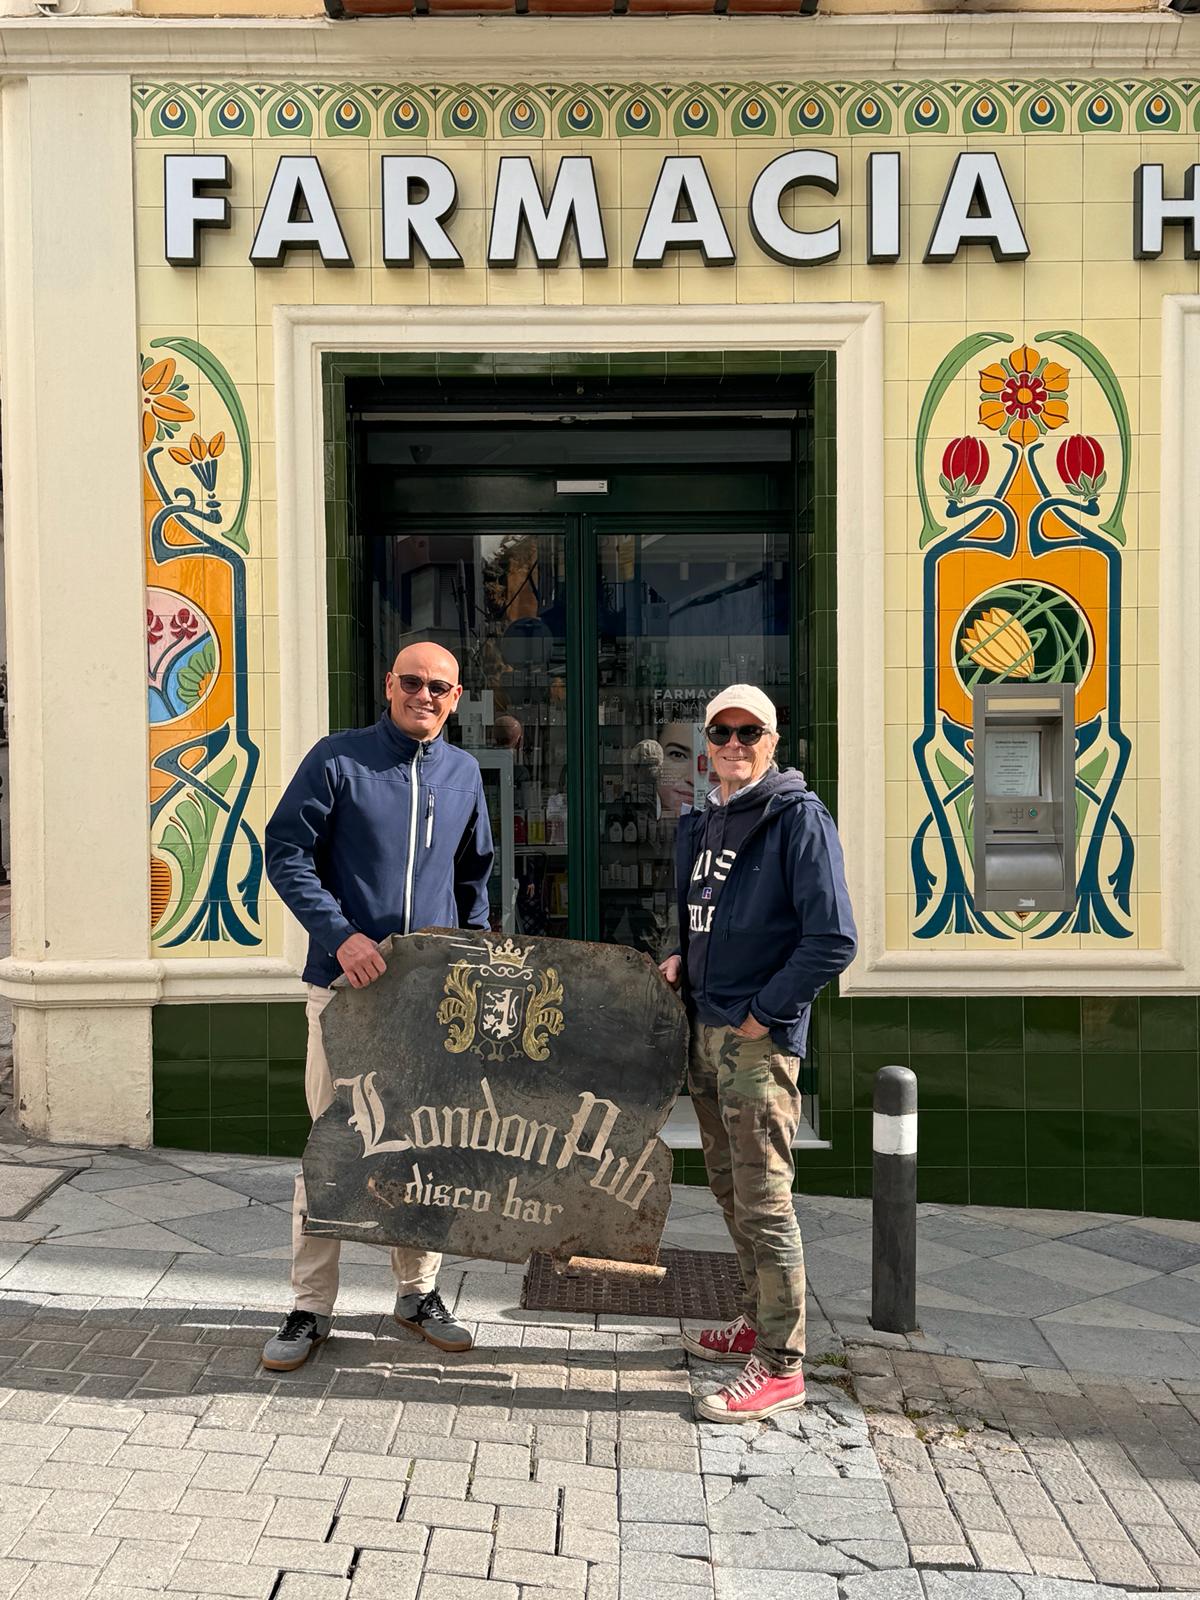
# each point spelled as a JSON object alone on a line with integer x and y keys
{"x": 688, "y": 1167}
{"x": 1046, "y": 1101}
{"x": 230, "y": 1078}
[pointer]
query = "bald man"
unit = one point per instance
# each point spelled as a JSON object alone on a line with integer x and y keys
{"x": 383, "y": 830}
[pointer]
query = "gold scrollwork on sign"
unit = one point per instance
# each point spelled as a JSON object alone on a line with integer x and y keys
{"x": 499, "y": 1005}
{"x": 460, "y": 1008}
{"x": 543, "y": 1020}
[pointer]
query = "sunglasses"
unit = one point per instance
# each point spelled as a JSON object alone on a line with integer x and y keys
{"x": 411, "y": 684}
{"x": 716, "y": 733}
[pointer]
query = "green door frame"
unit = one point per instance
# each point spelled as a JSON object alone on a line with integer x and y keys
{"x": 806, "y": 376}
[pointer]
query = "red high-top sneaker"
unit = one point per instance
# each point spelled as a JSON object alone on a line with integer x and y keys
{"x": 756, "y": 1394}
{"x": 730, "y": 1343}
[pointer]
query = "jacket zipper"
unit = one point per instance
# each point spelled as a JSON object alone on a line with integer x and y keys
{"x": 414, "y": 778}
{"x": 429, "y": 821}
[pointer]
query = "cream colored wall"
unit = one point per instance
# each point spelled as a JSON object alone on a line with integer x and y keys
{"x": 76, "y": 657}
{"x": 1073, "y": 191}
{"x": 231, "y": 8}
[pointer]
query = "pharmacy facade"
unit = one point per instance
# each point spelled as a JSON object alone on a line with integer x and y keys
{"x": 624, "y": 366}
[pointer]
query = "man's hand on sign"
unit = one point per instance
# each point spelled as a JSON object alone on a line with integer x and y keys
{"x": 360, "y": 960}
{"x": 752, "y": 1028}
{"x": 670, "y": 970}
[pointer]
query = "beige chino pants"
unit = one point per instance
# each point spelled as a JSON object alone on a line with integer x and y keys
{"x": 315, "y": 1260}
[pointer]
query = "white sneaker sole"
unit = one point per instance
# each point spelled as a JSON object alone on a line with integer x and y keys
{"x": 691, "y": 1343}
{"x": 712, "y": 1413}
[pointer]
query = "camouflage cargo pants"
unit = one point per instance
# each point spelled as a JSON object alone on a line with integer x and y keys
{"x": 748, "y": 1105}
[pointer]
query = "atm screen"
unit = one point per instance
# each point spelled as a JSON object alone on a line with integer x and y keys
{"x": 1013, "y": 765}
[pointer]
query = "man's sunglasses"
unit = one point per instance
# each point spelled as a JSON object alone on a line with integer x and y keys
{"x": 411, "y": 684}
{"x": 716, "y": 733}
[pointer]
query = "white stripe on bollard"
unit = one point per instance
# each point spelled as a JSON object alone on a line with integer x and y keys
{"x": 894, "y": 1136}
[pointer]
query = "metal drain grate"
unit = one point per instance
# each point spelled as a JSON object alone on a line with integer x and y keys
{"x": 699, "y": 1283}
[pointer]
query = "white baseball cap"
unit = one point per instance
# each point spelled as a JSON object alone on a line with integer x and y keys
{"x": 743, "y": 697}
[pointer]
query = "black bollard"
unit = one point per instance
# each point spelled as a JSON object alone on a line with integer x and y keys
{"x": 894, "y": 1202}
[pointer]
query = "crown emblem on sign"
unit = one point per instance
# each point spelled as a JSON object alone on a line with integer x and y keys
{"x": 508, "y": 959}
{"x": 509, "y": 950}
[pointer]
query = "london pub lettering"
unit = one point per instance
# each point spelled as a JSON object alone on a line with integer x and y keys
{"x": 498, "y": 1095}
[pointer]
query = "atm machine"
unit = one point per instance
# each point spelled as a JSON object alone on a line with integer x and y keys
{"x": 1024, "y": 796}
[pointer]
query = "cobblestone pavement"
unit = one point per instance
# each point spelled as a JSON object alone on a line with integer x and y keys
{"x": 143, "y": 1451}
{"x": 1034, "y": 1471}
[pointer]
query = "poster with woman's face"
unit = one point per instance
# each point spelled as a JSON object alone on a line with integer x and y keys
{"x": 683, "y": 782}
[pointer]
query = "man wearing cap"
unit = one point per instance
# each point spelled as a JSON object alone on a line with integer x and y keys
{"x": 764, "y": 923}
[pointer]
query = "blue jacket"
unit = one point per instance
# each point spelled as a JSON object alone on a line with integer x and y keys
{"x": 782, "y": 926}
{"x": 378, "y": 834}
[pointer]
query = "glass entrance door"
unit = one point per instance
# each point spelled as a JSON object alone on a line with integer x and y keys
{"x": 495, "y": 593}
{"x": 684, "y": 607}
{"x": 589, "y": 647}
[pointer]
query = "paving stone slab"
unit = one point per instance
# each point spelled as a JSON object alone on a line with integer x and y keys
{"x": 236, "y": 1232}
{"x": 995, "y": 1285}
{"x": 648, "y": 1495}
{"x": 1147, "y": 1248}
{"x": 74, "y": 1269}
{"x": 438, "y": 1586}
{"x": 274, "y": 1183}
{"x": 1171, "y": 1295}
{"x": 991, "y": 1337}
{"x": 985, "y": 1586}
{"x": 780, "y": 1549}
{"x": 877, "y": 1554}
{"x": 384, "y": 1576}
{"x": 1111, "y": 1350}
{"x": 900, "y": 1584}
{"x": 185, "y": 1197}
{"x": 633, "y": 1591}
{"x": 672, "y": 1538}
{"x": 1105, "y": 1313}
{"x": 1060, "y": 1589}
{"x": 750, "y": 1584}
{"x": 23, "y": 1185}
{"x": 67, "y": 1210}
{"x": 224, "y": 1281}
{"x": 458, "y": 1550}
{"x": 1069, "y": 1262}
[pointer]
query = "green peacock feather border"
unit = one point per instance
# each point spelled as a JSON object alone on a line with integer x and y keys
{"x": 826, "y": 108}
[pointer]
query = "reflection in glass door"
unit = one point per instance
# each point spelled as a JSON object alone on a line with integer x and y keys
{"x": 681, "y": 610}
{"x": 585, "y": 793}
{"x": 496, "y": 596}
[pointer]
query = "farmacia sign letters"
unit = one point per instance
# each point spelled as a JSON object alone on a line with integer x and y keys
{"x": 418, "y": 195}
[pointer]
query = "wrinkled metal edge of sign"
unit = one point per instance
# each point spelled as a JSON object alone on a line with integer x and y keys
{"x": 572, "y": 1253}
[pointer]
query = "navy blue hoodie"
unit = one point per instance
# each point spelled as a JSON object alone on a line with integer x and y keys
{"x": 781, "y": 925}
{"x": 378, "y": 833}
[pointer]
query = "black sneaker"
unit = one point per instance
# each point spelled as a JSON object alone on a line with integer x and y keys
{"x": 300, "y": 1335}
{"x": 426, "y": 1314}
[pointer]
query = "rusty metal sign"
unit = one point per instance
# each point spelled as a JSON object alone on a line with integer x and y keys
{"x": 497, "y": 1095}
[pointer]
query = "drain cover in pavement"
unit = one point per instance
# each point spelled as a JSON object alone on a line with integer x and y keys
{"x": 699, "y": 1283}
{"x": 21, "y": 1187}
